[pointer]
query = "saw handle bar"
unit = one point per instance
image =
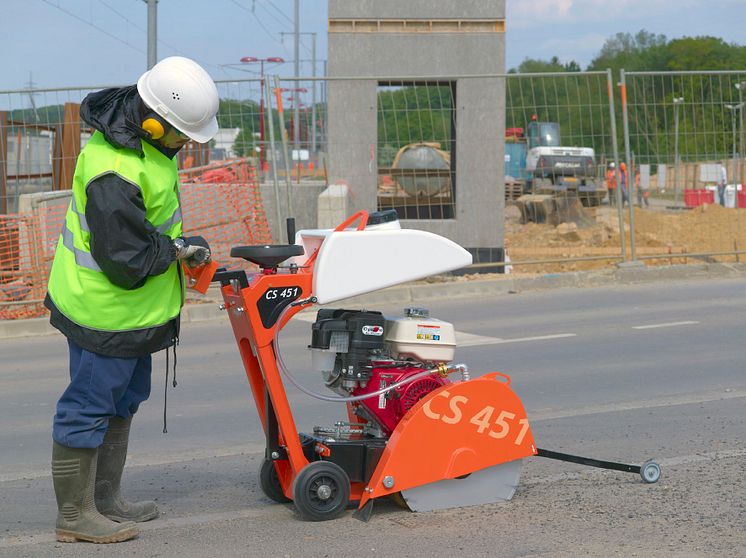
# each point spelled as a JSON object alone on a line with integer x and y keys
{"x": 649, "y": 471}
{"x": 362, "y": 215}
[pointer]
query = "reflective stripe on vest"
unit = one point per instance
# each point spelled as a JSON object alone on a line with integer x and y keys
{"x": 175, "y": 218}
{"x": 83, "y": 259}
{"x": 81, "y": 218}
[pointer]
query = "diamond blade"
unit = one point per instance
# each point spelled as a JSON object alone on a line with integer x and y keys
{"x": 486, "y": 486}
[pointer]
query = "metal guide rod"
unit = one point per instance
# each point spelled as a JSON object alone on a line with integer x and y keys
{"x": 588, "y": 461}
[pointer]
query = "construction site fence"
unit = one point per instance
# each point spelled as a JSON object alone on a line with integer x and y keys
{"x": 220, "y": 202}
{"x": 675, "y": 128}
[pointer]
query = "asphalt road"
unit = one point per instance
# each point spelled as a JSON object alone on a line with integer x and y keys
{"x": 620, "y": 373}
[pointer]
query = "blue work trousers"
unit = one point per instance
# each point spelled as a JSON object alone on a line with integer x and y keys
{"x": 100, "y": 387}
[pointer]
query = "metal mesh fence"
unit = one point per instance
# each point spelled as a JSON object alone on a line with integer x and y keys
{"x": 685, "y": 125}
{"x": 41, "y": 135}
{"x": 270, "y": 160}
{"x": 415, "y": 144}
{"x": 686, "y": 146}
{"x": 559, "y": 141}
{"x": 577, "y": 102}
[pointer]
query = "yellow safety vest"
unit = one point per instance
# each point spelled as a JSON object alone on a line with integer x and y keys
{"x": 77, "y": 286}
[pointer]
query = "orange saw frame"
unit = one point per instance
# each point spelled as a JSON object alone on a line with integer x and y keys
{"x": 458, "y": 429}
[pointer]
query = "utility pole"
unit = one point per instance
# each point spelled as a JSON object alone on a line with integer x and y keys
{"x": 152, "y": 32}
{"x": 313, "y": 93}
{"x": 628, "y": 170}
{"x": 740, "y": 87}
{"x": 733, "y": 109}
{"x": 296, "y": 104}
{"x": 676, "y": 102}
{"x": 273, "y": 60}
{"x": 31, "y": 95}
{"x": 323, "y": 86}
{"x": 313, "y": 90}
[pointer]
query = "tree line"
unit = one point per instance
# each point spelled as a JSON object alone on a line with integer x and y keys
{"x": 704, "y": 124}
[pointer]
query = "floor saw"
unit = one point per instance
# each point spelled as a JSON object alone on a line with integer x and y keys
{"x": 418, "y": 427}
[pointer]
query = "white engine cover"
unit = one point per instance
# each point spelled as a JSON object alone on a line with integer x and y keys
{"x": 425, "y": 339}
{"x": 351, "y": 263}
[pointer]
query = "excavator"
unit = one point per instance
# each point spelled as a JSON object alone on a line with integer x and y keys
{"x": 558, "y": 180}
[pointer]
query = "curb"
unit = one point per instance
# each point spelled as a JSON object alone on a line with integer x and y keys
{"x": 449, "y": 287}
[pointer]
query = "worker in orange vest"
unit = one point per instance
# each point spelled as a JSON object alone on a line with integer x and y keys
{"x": 611, "y": 182}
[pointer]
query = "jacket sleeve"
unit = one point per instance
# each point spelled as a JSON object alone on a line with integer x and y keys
{"x": 124, "y": 244}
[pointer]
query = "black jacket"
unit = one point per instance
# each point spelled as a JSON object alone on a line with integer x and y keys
{"x": 124, "y": 244}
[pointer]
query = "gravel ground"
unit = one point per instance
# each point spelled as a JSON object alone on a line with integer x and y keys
{"x": 696, "y": 509}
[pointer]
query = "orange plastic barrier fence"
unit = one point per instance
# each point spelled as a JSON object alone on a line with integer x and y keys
{"x": 223, "y": 203}
{"x": 220, "y": 202}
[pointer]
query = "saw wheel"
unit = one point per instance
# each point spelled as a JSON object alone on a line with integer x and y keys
{"x": 486, "y": 486}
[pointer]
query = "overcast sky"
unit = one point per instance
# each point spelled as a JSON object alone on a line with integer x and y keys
{"x": 98, "y": 42}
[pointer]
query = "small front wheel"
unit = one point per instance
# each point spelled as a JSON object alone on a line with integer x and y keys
{"x": 650, "y": 472}
{"x": 270, "y": 482}
{"x": 321, "y": 491}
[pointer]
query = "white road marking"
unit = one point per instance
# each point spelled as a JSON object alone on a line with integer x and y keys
{"x": 471, "y": 340}
{"x": 465, "y": 339}
{"x": 670, "y": 324}
{"x": 664, "y": 401}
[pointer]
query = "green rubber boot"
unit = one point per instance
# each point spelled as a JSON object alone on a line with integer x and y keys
{"x": 112, "y": 455}
{"x": 74, "y": 475}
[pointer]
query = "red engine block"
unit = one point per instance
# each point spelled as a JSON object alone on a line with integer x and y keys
{"x": 390, "y": 407}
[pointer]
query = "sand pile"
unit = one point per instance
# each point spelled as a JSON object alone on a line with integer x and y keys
{"x": 708, "y": 228}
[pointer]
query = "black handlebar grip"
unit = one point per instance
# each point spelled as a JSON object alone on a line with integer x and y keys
{"x": 291, "y": 230}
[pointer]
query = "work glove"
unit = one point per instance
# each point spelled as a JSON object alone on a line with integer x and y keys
{"x": 193, "y": 250}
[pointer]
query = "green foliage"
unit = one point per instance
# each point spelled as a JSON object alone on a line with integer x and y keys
{"x": 244, "y": 115}
{"x": 577, "y": 103}
{"x": 705, "y": 53}
{"x": 47, "y": 116}
{"x": 643, "y": 51}
{"x": 650, "y": 52}
{"x": 534, "y": 66}
{"x": 704, "y": 125}
{"x": 416, "y": 113}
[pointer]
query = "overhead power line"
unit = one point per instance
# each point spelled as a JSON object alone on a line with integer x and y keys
{"x": 91, "y": 24}
{"x": 273, "y": 16}
{"x": 260, "y": 22}
{"x": 283, "y": 14}
{"x": 120, "y": 14}
{"x": 160, "y": 41}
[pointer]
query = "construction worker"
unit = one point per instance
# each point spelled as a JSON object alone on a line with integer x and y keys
{"x": 722, "y": 181}
{"x": 116, "y": 287}
{"x": 611, "y": 182}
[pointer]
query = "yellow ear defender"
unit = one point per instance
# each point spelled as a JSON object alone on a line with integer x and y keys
{"x": 153, "y": 127}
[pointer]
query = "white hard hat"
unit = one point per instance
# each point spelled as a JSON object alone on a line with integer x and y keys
{"x": 182, "y": 92}
{"x": 612, "y": 165}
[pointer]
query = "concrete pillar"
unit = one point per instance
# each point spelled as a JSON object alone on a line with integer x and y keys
{"x": 373, "y": 42}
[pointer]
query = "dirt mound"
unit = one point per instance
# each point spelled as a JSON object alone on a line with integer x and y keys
{"x": 704, "y": 229}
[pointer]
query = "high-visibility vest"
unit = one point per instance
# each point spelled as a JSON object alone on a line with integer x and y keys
{"x": 77, "y": 286}
{"x": 611, "y": 179}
